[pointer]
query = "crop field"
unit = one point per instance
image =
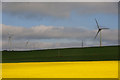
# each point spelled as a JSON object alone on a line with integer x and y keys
{"x": 94, "y": 62}
{"x": 85, "y": 69}
{"x": 106, "y": 53}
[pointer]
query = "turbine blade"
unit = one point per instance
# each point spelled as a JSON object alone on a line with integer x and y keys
{"x": 97, "y": 24}
{"x": 105, "y": 28}
{"x": 27, "y": 42}
{"x": 8, "y": 34}
{"x": 97, "y": 34}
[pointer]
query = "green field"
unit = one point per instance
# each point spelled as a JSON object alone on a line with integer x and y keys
{"x": 106, "y": 53}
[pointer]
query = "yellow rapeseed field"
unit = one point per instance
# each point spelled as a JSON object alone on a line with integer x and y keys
{"x": 81, "y": 69}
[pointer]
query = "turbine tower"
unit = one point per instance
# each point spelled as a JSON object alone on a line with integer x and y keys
{"x": 82, "y": 44}
{"x": 99, "y": 31}
{"x": 27, "y": 44}
{"x": 10, "y": 41}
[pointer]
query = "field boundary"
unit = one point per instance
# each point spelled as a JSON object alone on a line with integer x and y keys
{"x": 60, "y": 79}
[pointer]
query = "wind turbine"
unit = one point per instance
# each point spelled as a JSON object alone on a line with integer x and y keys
{"x": 82, "y": 44}
{"x": 27, "y": 44}
{"x": 99, "y": 31}
{"x": 10, "y": 41}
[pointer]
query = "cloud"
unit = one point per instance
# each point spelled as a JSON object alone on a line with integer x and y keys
{"x": 0, "y": 45}
{"x": 60, "y": 1}
{"x": 21, "y": 45}
{"x": 39, "y": 45}
{"x": 53, "y": 32}
{"x": 47, "y": 32}
{"x": 61, "y": 9}
{"x": 57, "y": 37}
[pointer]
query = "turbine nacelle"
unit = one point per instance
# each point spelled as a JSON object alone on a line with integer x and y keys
{"x": 10, "y": 35}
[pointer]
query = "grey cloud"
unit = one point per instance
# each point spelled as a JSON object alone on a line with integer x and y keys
{"x": 40, "y": 45}
{"x": 111, "y": 35}
{"x": 52, "y": 32}
{"x": 31, "y": 45}
{"x": 60, "y": 1}
{"x": 73, "y": 36}
{"x": 46, "y": 32}
{"x": 21, "y": 45}
{"x": 61, "y": 9}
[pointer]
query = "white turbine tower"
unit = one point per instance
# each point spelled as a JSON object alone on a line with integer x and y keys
{"x": 82, "y": 44}
{"x": 27, "y": 44}
{"x": 99, "y": 31}
{"x": 10, "y": 36}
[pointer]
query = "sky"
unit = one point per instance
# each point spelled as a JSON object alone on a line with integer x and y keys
{"x": 58, "y": 24}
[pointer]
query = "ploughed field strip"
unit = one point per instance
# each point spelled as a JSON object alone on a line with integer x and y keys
{"x": 106, "y": 53}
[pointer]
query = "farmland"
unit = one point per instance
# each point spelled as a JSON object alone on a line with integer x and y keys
{"x": 79, "y": 69}
{"x": 92, "y": 62}
{"x": 106, "y": 53}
